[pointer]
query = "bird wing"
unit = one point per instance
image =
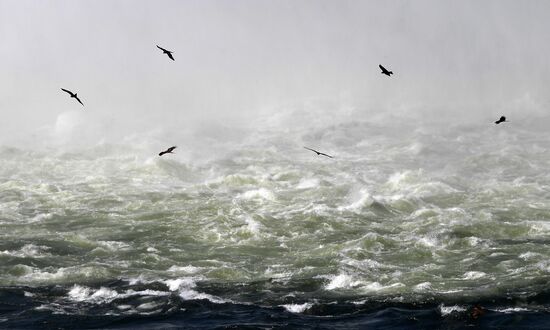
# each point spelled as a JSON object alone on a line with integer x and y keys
{"x": 76, "y": 97}
{"x": 162, "y": 153}
{"x": 164, "y": 50}
{"x": 170, "y": 55}
{"x": 63, "y": 89}
{"x": 310, "y": 149}
{"x": 329, "y": 156}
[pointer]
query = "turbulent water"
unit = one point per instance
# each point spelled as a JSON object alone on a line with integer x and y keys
{"x": 409, "y": 225}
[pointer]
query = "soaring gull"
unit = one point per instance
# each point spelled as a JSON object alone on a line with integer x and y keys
{"x": 168, "y": 151}
{"x": 319, "y": 153}
{"x": 167, "y": 52}
{"x": 72, "y": 95}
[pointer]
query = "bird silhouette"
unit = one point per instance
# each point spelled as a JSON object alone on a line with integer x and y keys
{"x": 168, "y": 151}
{"x": 72, "y": 95}
{"x": 502, "y": 119}
{"x": 384, "y": 71}
{"x": 319, "y": 153}
{"x": 167, "y": 52}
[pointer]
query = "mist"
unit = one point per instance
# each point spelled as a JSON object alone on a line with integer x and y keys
{"x": 240, "y": 61}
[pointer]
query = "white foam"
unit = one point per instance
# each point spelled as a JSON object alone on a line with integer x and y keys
{"x": 185, "y": 288}
{"x": 184, "y": 269}
{"x": 511, "y": 310}
{"x": 148, "y": 306}
{"x": 360, "y": 199}
{"x": 424, "y": 286}
{"x": 175, "y": 284}
{"x": 28, "y": 250}
{"x": 473, "y": 275}
{"x": 79, "y": 293}
{"x": 252, "y": 225}
{"x": 189, "y": 294}
{"x": 82, "y": 293}
{"x": 103, "y": 294}
{"x": 446, "y": 310}
{"x": 376, "y": 286}
{"x": 538, "y": 227}
{"x": 474, "y": 241}
{"x": 261, "y": 193}
{"x": 41, "y": 217}
{"x": 429, "y": 241}
{"x": 297, "y": 308}
{"x": 529, "y": 255}
{"x": 342, "y": 281}
{"x": 146, "y": 292}
{"x": 367, "y": 264}
{"x": 124, "y": 307}
{"x": 424, "y": 213}
{"x": 399, "y": 179}
{"x": 113, "y": 245}
{"x": 308, "y": 183}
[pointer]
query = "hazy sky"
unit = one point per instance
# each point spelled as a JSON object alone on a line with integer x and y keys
{"x": 236, "y": 57}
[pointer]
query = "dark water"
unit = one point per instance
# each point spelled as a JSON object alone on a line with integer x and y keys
{"x": 48, "y": 307}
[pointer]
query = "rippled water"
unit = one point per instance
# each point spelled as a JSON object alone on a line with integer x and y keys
{"x": 407, "y": 224}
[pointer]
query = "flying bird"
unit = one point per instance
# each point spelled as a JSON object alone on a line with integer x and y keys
{"x": 319, "y": 153}
{"x": 502, "y": 119}
{"x": 384, "y": 71}
{"x": 167, "y": 52}
{"x": 72, "y": 95}
{"x": 168, "y": 151}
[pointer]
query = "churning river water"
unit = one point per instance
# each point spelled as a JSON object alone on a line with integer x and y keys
{"x": 408, "y": 226}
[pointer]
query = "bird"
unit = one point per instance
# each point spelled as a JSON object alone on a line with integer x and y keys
{"x": 167, "y": 52}
{"x": 168, "y": 151}
{"x": 384, "y": 71}
{"x": 319, "y": 153}
{"x": 73, "y": 95}
{"x": 502, "y": 119}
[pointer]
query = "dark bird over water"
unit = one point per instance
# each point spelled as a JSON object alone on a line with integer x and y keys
{"x": 168, "y": 151}
{"x": 72, "y": 95}
{"x": 319, "y": 153}
{"x": 502, "y": 119}
{"x": 167, "y": 52}
{"x": 384, "y": 71}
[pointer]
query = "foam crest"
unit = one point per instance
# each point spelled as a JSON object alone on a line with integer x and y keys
{"x": 447, "y": 310}
{"x": 258, "y": 194}
{"x": 342, "y": 281}
{"x": 185, "y": 288}
{"x": 297, "y": 308}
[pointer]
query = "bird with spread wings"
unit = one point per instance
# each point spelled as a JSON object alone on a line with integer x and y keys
{"x": 168, "y": 151}
{"x": 319, "y": 153}
{"x": 167, "y": 52}
{"x": 72, "y": 95}
{"x": 385, "y": 71}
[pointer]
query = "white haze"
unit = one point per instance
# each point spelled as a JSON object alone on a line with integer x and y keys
{"x": 239, "y": 61}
